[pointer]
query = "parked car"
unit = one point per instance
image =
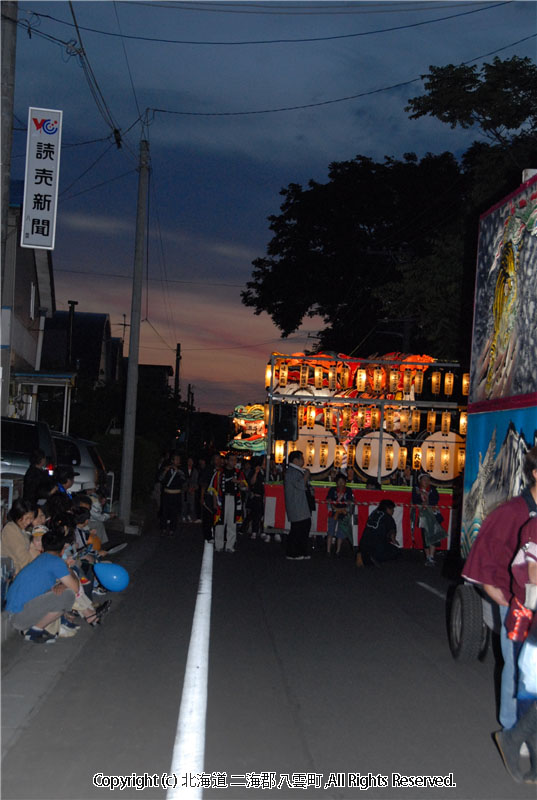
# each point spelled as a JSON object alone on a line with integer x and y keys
{"x": 20, "y": 438}
{"x": 84, "y": 457}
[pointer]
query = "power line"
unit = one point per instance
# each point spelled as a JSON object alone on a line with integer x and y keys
{"x": 327, "y": 102}
{"x": 280, "y": 41}
{"x": 87, "y": 170}
{"x": 288, "y": 9}
{"x": 127, "y": 61}
{"x": 98, "y": 185}
{"x": 168, "y": 280}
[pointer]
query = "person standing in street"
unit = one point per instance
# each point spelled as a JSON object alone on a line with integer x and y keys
{"x": 489, "y": 564}
{"x": 226, "y": 487}
{"x": 189, "y": 492}
{"x": 297, "y": 506}
{"x": 172, "y": 478}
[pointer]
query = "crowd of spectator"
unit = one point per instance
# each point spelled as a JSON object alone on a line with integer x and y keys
{"x": 52, "y": 540}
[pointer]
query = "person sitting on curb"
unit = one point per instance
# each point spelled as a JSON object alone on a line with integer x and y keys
{"x": 16, "y": 542}
{"x": 42, "y": 591}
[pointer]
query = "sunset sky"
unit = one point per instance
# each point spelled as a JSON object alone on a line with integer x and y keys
{"x": 217, "y": 170}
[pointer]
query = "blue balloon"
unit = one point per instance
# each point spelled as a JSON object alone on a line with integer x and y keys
{"x": 113, "y": 577}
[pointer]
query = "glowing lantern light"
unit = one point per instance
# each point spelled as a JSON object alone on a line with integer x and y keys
{"x": 394, "y": 380}
{"x": 389, "y": 417}
{"x": 415, "y": 421}
{"x": 448, "y": 384}
{"x": 301, "y": 416}
{"x": 339, "y": 456}
{"x": 332, "y": 379}
{"x": 418, "y": 382}
{"x": 311, "y": 414}
{"x": 430, "y": 458}
{"x": 461, "y": 458}
{"x": 327, "y": 418}
{"x": 446, "y": 422}
{"x": 346, "y": 418}
{"x": 279, "y": 451}
{"x": 463, "y": 423}
{"x": 416, "y": 458}
{"x": 284, "y": 374}
{"x": 403, "y": 420}
{"x": 403, "y": 454}
{"x": 407, "y": 381}
{"x": 466, "y": 383}
{"x": 267, "y": 414}
{"x": 389, "y": 456}
{"x": 375, "y": 419}
{"x": 444, "y": 460}
{"x": 268, "y": 376}
{"x": 378, "y": 374}
{"x": 361, "y": 380}
{"x": 310, "y": 453}
{"x": 360, "y": 417}
{"x": 351, "y": 455}
{"x": 304, "y": 376}
{"x": 431, "y": 421}
{"x": 436, "y": 378}
{"x": 323, "y": 454}
{"x": 318, "y": 377}
{"x": 345, "y": 376}
{"x": 366, "y": 455}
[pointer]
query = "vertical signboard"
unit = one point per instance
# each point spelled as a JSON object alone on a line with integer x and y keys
{"x": 41, "y": 178}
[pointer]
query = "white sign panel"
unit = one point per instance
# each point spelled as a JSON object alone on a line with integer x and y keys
{"x": 41, "y": 178}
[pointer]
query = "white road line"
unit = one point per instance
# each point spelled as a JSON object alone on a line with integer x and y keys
{"x": 189, "y": 748}
{"x": 430, "y": 589}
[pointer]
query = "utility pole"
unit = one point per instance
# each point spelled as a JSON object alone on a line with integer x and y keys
{"x": 71, "y": 304}
{"x": 129, "y": 424}
{"x": 7, "y": 254}
{"x": 177, "y": 391}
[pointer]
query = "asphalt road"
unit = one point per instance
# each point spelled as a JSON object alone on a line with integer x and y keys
{"x": 315, "y": 668}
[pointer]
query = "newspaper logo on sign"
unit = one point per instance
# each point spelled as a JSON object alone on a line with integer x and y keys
{"x": 46, "y": 125}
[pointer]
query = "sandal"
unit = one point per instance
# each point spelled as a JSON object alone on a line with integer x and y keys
{"x": 99, "y": 612}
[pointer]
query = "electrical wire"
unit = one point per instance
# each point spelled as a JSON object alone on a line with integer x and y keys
{"x": 288, "y": 9}
{"x": 98, "y": 185}
{"x": 169, "y": 280}
{"x": 127, "y": 61}
{"x": 86, "y": 170}
{"x": 328, "y": 102}
{"x": 278, "y": 41}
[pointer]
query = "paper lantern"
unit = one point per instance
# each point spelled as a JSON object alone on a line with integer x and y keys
{"x": 267, "y": 415}
{"x": 407, "y": 381}
{"x": 403, "y": 420}
{"x": 311, "y": 415}
{"x": 318, "y": 377}
{"x": 351, "y": 455}
{"x": 389, "y": 456}
{"x": 323, "y": 454}
{"x": 389, "y": 419}
{"x": 436, "y": 378}
{"x": 446, "y": 422}
{"x": 418, "y": 382}
{"x": 463, "y": 423}
{"x": 403, "y": 454}
{"x": 378, "y": 375}
{"x": 345, "y": 376}
{"x": 268, "y": 376}
{"x": 310, "y": 453}
{"x": 461, "y": 458}
{"x": 284, "y": 374}
{"x": 430, "y": 458}
{"x": 375, "y": 419}
{"x": 466, "y": 383}
{"x": 415, "y": 421}
{"x": 346, "y": 418}
{"x": 394, "y": 380}
{"x": 444, "y": 460}
{"x": 366, "y": 455}
{"x": 448, "y": 384}
{"x": 361, "y": 380}
{"x": 301, "y": 416}
{"x": 360, "y": 417}
{"x": 327, "y": 418}
{"x": 279, "y": 451}
{"x": 339, "y": 455}
{"x": 416, "y": 458}
{"x": 304, "y": 376}
{"x": 431, "y": 421}
{"x": 332, "y": 379}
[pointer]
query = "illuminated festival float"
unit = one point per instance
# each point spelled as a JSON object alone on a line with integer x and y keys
{"x": 377, "y": 416}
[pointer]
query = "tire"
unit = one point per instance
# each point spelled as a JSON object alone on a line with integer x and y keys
{"x": 467, "y": 631}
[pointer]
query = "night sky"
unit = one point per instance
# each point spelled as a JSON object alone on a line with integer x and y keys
{"x": 216, "y": 170}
